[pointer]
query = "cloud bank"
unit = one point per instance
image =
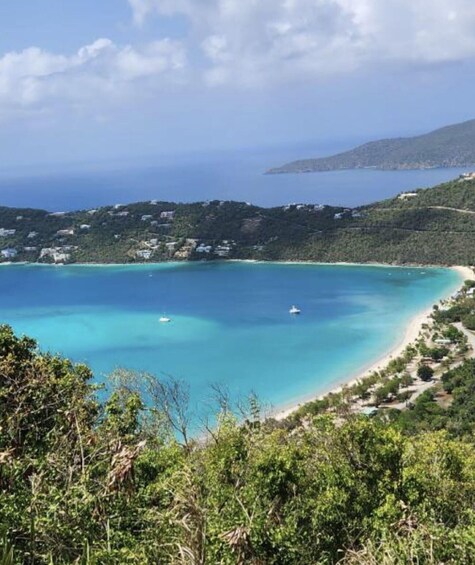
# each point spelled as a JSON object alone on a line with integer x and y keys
{"x": 257, "y": 41}
{"x": 240, "y": 43}
{"x": 101, "y": 71}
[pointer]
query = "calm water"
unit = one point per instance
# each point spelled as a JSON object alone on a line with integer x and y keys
{"x": 230, "y": 320}
{"x": 225, "y": 177}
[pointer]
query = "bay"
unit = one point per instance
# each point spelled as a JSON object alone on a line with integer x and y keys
{"x": 230, "y": 321}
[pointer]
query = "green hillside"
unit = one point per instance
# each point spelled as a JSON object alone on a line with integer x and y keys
{"x": 433, "y": 226}
{"x": 450, "y": 146}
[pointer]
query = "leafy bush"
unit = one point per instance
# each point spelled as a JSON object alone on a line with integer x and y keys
{"x": 425, "y": 373}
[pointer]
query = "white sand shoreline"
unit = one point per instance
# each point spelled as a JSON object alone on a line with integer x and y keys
{"x": 411, "y": 333}
{"x": 247, "y": 261}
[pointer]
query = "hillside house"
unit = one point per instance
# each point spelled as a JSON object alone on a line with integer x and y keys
{"x": 6, "y": 233}
{"x": 9, "y": 253}
{"x": 167, "y": 215}
{"x": 144, "y": 254}
{"x": 202, "y": 248}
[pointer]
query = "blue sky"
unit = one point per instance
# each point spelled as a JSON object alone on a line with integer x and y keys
{"x": 114, "y": 79}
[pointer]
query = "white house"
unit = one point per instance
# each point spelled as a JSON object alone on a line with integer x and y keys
{"x": 167, "y": 215}
{"x": 9, "y": 253}
{"x": 144, "y": 253}
{"x": 202, "y": 248}
{"x": 5, "y": 233}
{"x": 59, "y": 257}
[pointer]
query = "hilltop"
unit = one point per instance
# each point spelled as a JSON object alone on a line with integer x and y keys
{"x": 450, "y": 146}
{"x": 430, "y": 226}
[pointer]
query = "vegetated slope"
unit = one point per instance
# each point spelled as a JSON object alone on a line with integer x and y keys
{"x": 431, "y": 226}
{"x": 84, "y": 481}
{"x": 450, "y": 146}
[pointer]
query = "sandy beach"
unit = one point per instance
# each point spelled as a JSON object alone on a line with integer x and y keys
{"x": 410, "y": 335}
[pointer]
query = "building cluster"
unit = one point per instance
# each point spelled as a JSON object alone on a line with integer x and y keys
{"x": 348, "y": 213}
{"x": 467, "y": 176}
{"x": 407, "y": 195}
{"x": 307, "y": 207}
{"x": 57, "y": 254}
{"x": 223, "y": 249}
{"x": 59, "y": 251}
{"x": 6, "y": 233}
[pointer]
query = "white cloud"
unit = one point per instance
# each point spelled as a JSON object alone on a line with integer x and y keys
{"x": 255, "y": 41}
{"x": 34, "y": 79}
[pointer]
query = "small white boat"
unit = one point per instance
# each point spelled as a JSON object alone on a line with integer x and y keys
{"x": 165, "y": 320}
{"x": 294, "y": 310}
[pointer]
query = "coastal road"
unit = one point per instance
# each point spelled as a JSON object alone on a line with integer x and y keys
{"x": 460, "y": 210}
{"x": 469, "y": 334}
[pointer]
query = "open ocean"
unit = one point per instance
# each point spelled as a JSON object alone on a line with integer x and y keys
{"x": 227, "y": 176}
{"x": 230, "y": 321}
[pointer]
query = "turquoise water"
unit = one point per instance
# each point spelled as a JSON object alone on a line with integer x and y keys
{"x": 230, "y": 321}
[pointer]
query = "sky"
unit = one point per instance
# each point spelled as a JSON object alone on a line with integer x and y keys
{"x": 89, "y": 80}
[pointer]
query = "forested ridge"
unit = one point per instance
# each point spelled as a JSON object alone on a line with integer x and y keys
{"x": 450, "y": 146}
{"x": 431, "y": 226}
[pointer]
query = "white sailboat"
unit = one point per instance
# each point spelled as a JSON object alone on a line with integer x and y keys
{"x": 294, "y": 310}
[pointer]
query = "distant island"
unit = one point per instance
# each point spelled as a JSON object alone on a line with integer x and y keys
{"x": 431, "y": 226}
{"x": 450, "y": 146}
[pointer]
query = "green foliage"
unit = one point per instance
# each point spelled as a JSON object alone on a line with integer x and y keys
{"x": 85, "y": 482}
{"x": 425, "y": 373}
{"x": 406, "y": 380}
{"x": 438, "y": 353}
{"x": 450, "y": 146}
{"x": 387, "y": 390}
{"x": 452, "y": 333}
{"x": 469, "y": 322}
{"x": 435, "y": 227}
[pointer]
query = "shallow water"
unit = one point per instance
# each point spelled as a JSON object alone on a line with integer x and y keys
{"x": 230, "y": 321}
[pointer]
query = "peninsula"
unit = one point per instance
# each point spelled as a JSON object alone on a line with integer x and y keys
{"x": 432, "y": 226}
{"x": 450, "y": 146}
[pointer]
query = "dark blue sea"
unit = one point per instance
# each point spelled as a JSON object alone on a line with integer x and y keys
{"x": 222, "y": 176}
